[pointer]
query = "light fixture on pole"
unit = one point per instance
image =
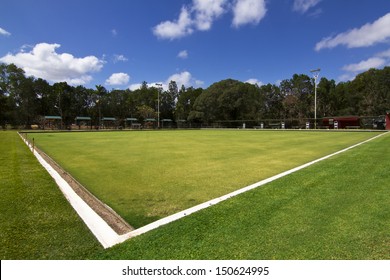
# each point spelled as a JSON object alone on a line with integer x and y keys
{"x": 316, "y": 73}
{"x": 158, "y": 104}
{"x": 98, "y": 103}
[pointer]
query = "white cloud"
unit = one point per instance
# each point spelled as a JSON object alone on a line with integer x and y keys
{"x": 118, "y": 79}
{"x": 120, "y": 58}
{"x": 135, "y": 86}
{"x": 114, "y": 32}
{"x": 172, "y": 30}
{"x": 201, "y": 14}
{"x": 184, "y": 78}
{"x": 315, "y": 13}
{"x": 248, "y": 11}
{"x": 255, "y": 82}
{"x": 4, "y": 32}
{"x": 44, "y": 62}
{"x": 374, "y": 62}
{"x": 385, "y": 54}
{"x": 207, "y": 11}
{"x": 303, "y": 6}
{"x": 378, "y": 61}
{"x": 347, "y": 77}
{"x": 365, "y": 36}
{"x": 199, "y": 83}
{"x": 183, "y": 54}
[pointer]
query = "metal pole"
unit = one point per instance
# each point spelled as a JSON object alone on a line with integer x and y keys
{"x": 99, "y": 117}
{"x": 315, "y": 73}
{"x": 315, "y": 103}
{"x": 158, "y": 104}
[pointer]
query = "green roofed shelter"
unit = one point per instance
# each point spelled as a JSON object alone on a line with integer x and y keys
{"x": 108, "y": 119}
{"x": 149, "y": 123}
{"x": 52, "y": 122}
{"x": 166, "y": 121}
{"x": 181, "y": 123}
{"x": 133, "y": 123}
{"x": 53, "y": 118}
{"x": 108, "y": 122}
{"x": 83, "y": 119}
{"x": 83, "y": 122}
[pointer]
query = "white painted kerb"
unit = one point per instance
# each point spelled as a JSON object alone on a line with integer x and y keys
{"x": 108, "y": 237}
{"x": 103, "y": 232}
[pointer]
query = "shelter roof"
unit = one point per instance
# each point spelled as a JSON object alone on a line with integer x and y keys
{"x": 53, "y": 118}
{"x": 83, "y": 118}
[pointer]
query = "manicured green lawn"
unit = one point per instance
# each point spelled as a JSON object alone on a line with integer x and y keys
{"x": 147, "y": 175}
{"x": 36, "y": 221}
{"x": 336, "y": 209}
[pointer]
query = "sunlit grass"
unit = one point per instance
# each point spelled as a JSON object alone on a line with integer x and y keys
{"x": 147, "y": 175}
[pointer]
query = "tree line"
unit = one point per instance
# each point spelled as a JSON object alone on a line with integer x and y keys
{"x": 25, "y": 100}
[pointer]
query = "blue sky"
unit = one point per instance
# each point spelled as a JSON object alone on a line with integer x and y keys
{"x": 121, "y": 43}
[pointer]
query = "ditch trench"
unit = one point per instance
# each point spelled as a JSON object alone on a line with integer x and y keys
{"x": 116, "y": 222}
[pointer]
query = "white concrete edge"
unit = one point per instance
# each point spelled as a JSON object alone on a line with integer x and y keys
{"x": 100, "y": 229}
{"x": 108, "y": 237}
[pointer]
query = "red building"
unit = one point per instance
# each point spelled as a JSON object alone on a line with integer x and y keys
{"x": 341, "y": 122}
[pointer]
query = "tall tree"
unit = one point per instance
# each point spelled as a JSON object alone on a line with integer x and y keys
{"x": 326, "y": 98}
{"x": 228, "y": 100}
{"x": 186, "y": 102}
{"x": 299, "y": 101}
{"x": 273, "y": 103}
{"x": 4, "y": 109}
{"x": 45, "y": 96}
{"x": 168, "y": 101}
{"x": 65, "y": 101}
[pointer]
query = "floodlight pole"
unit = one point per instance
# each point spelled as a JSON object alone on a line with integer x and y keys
{"x": 315, "y": 73}
{"x": 98, "y": 103}
{"x": 158, "y": 104}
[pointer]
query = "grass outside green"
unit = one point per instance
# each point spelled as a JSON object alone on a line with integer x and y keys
{"x": 36, "y": 221}
{"x": 148, "y": 175}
